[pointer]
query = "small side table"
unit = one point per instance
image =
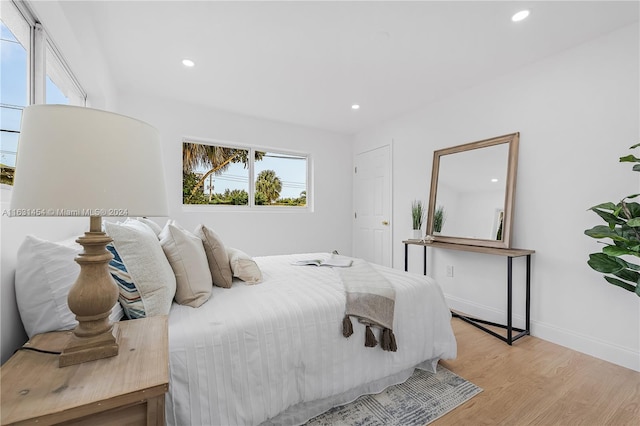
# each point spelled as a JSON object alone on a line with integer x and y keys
{"x": 509, "y": 254}
{"x": 125, "y": 389}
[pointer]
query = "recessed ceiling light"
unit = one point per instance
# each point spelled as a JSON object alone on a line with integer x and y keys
{"x": 188, "y": 63}
{"x": 494, "y": 180}
{"x": 355, "y": 106}
{"x": 520, "y": 16}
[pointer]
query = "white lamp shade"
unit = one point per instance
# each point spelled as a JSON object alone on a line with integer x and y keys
{"x": 75, "y": 161}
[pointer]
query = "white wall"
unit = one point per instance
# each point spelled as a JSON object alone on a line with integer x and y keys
{"x": 577, "y": 113}
{"x": 326, "y": 228}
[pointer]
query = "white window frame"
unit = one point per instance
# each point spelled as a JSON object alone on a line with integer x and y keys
{"x": 39, "y": 44}
{"x": 58, "y": 70}
{"x": 251, "y": 206}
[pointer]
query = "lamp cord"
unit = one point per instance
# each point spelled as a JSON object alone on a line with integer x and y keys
{"x": 26, "y": 348}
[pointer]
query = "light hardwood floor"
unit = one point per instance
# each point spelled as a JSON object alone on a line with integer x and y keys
{"x": 535, "y": 382}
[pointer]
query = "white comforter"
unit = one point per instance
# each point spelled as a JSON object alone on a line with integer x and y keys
{"x": 252, "y": 351}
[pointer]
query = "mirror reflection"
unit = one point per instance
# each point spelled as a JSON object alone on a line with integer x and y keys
{"x": 472, "y": 192}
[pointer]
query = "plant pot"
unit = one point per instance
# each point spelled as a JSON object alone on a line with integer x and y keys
{"x": 416, "y": 234}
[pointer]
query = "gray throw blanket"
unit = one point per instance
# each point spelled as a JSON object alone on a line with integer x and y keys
{"x": 371, "y": 300}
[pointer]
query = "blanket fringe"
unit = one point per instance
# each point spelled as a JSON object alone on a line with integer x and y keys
{"x": 347, "y": 327}
{"x": 388, "y": 340}
{"x": 369, "y": 339}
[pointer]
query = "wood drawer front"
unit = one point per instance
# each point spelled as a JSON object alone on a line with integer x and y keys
{"x": 146, "y": 413}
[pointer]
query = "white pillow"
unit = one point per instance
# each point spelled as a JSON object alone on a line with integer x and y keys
{"x": 145, "y": 279}
{"x": 151, "y": 224}
{"x": 188, "y": 260}
{"x": 45, "y": 271}
{"x": 243, "y": 266}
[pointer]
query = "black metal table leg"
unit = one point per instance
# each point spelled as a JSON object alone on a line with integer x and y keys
{"x": 406, "y": 261}
{"x": 527, "y": 325}
{"x": 480, "y": 323}
{"x": 509, "y": 300}
{"x": 424, "y": 260}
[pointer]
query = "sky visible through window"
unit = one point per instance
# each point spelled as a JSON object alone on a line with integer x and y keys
{"x": 13, "y": 57}
{"x": 14, "y": 93}
{"x": 291, "y": 169}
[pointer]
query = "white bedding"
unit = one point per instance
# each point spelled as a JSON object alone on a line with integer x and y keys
{"x": 253, "y": 351}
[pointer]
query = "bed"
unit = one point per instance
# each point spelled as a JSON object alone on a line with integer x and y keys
{"x": 274, "y": 353}
{"x": 265, "y": 350}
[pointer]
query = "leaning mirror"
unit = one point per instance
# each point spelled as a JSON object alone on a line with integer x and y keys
{"x": 472, "y": 192}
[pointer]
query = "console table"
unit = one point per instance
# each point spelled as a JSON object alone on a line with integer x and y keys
{"x": 509, "y": 254}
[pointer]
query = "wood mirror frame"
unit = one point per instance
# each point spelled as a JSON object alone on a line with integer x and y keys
{"x": 476, "y": 154}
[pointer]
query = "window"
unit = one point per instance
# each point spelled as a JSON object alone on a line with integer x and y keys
{"x": 281, "y": 179}
{"x": 29, "y": 75}
{"x": 214, "y": 174}
{"x": 228, "y": 175}
{"x": 60, "y": 87}
{"x": 15, "y": 36}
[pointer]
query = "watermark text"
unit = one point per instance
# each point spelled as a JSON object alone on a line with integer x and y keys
{"x": 64, "y": 212}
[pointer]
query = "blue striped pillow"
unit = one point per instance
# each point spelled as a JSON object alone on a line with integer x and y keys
{"x": 129, "y": 295}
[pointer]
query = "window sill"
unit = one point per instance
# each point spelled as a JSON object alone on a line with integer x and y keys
{"x": 203, "y": 208}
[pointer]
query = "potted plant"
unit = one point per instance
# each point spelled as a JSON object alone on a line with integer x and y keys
{"x": 623, "y": 229}
{"x": 418, "y": 214}
{"x": 438, "y": 219}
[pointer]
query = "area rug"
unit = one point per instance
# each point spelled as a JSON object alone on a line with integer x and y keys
{"x": 420, "y": 400}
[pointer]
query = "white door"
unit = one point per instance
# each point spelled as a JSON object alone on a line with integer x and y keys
{"x": 372, "y": 206}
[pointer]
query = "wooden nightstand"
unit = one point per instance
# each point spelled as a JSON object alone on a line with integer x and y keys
{"x": 126, "y": 389}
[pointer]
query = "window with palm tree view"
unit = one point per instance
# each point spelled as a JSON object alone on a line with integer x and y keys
{"x": 227, "y": 175}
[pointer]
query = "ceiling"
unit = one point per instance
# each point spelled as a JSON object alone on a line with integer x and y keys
{"x": 308, "y": 62}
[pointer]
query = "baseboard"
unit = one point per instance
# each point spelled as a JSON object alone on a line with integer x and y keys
{"x": 607, "y": 351}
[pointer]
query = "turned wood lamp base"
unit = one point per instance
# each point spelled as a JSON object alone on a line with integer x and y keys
{"x": 91, "y": 298}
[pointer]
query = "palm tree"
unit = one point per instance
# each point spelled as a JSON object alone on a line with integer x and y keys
{"x": 269, "y": 184}
{"x": 216, "y": 158}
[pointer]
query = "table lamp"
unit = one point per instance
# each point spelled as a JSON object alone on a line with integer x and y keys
{"x": 75, "y": 161}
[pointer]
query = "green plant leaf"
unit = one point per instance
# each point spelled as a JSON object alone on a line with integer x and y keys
{"x": 603, "y": 231}
{"x": 610, "y": 218}
{"x": 629, "y": 159}
{"x": 636, "y": 168}
{"x": 633, "y": 266}
{"x": 606, "y": 264}
{"x": 635, "y": 222}
{"x": 616, "y": 251}
{"x": 626, "y": 286}
{"x": 628, "y": 265}
{"x": 606, "y": 206}
{"x": 628, "y": 275}
{"x": 634, "y": 146}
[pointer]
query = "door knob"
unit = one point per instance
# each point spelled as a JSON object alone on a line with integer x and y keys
{"x": 384, "y": 222}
